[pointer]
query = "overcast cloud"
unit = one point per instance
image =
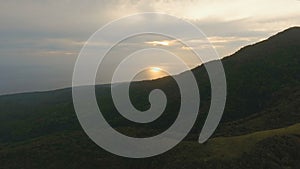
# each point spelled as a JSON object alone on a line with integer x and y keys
{"x": 40, "y": 40}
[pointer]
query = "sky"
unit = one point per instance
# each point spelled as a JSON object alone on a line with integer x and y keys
{"x": 40, "y": 39}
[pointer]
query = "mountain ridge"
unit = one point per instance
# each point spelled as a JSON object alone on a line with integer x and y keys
{"x": 41, "y": 130}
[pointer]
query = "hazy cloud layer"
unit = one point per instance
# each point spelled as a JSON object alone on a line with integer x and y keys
{"x": 40, "y": 40}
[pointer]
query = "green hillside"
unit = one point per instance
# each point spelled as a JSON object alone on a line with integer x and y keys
{"x": 260, "y": 127}
{"x": 278, "y": 148}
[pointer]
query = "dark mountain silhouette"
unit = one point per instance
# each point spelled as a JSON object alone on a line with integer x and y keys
{"x": 260, "y": 127}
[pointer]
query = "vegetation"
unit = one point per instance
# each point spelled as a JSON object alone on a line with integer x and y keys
{"x": 260, "y": 127}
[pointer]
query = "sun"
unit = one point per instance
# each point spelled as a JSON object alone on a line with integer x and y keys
{"x": 156, "y": 72}
{"x": 155, "y": 69}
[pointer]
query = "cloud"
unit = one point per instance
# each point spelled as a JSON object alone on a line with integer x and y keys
{"x": 163, "y": 43}
{"x": 76, "y": 20}
{"x": 53, "y": 32}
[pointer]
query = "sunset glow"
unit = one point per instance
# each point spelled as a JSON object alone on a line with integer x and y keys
{"x": 156, "y": 69}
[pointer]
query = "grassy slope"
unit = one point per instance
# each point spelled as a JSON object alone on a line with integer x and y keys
{"x": 277, "y": 148}
{"x": 74, "y": 150}
{"x": 283, "y": 110}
